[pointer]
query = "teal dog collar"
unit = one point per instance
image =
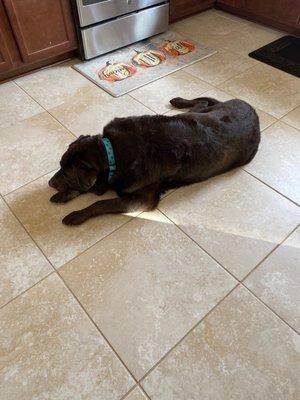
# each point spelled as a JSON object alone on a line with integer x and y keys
{"x": 110, "y": 157}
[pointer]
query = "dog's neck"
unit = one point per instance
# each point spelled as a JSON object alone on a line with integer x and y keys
{"x": 110, "y": 158}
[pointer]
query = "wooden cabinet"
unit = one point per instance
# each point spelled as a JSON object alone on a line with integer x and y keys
{"x": 183, "y": 8}
{"x": 281, "y": 14}
{"x": 33, "y": 33}
{"x": 9, "y": 56}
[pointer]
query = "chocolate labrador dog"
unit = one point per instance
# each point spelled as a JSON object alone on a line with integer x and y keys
{"x": 142, "y": 157}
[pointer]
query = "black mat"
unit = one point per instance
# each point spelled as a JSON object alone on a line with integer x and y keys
{"x": 283, "y": 54}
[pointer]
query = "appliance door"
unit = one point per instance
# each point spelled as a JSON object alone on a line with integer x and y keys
{"x": 116, "y": 33}
{"x": 93, "y": 11}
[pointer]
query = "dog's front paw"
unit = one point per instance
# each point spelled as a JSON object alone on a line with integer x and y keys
{"x": 59, "y": 197}
{"x": 75, "y": 218}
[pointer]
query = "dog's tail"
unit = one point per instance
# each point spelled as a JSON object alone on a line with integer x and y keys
{"x": 179, "y": 102}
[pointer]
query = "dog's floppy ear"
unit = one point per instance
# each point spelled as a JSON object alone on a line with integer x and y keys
{"x": 86, "y": 164}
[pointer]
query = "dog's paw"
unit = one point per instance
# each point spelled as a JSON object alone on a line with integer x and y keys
{"x": 176, "y": 101}
{"x": 74, "y": 218}
{"x": 59, "y": 197}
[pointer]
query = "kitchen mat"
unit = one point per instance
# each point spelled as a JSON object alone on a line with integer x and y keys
{"x": 131, "y": 67}
{"x": 283, "y": 53}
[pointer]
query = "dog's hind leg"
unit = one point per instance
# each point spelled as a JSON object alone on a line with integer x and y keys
{"x": 145, "y": 199}
{"x": 204, "y": 102}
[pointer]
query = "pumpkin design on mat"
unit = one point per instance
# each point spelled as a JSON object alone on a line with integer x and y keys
{"x": 178, "y": 47}
{"x": 116, "y": 71}
{"x": 148, "y": 58}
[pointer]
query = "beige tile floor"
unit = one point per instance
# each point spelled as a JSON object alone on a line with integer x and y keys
{"x": 197, "y": 300}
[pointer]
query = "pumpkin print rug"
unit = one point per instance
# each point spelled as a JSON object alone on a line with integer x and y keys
{"x": 134, "y": 66}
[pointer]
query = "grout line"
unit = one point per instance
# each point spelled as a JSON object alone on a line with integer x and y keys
{"x": 293, "y": 109}
{"x": 137, "y": 386}
{"x": 75, "y": 297}
{"x": 42, "y": 251}
{"x": 241, "y": 282}
{"x": 235, "y": 76}
{"x": 97, "y": 327}
{"x": 98, "y": 241}
{"x": 197, "y": 244}
{"x": 269, "y": 308}
{"x": 28, "y": 233}
{"x": 187, "y": 333}
{"x": 287, "y": 123}
{"x": 149, "y": 108}
{"x": 26, "y": 290}
{"x": 270, "y": 187}
{"x": 144, "y": 391}
{"x": 45, "y": 110}
{"x": 28, "y": 183}
{"x": 269, "y": 126}
{"x": 129, "y": 391}
{"x": 272, "y": 251}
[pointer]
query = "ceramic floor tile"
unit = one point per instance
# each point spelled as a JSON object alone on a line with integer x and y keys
{"x": 92, "y": 109}
{"x": 220, "y": 67}
{"x": 55, "y": 85}
{"x": 150, "y": 282}
{"x": 136, "y": 394}
{"x": 42, "y": 219}
{"x": 15, "y": 105}
{"x": 240, "y": 351}
{"x": 156, "y": 95}
{"x": 265, "y": 119}
{"x": 235, "y": 212}
{"x": 218, "y": 94}
{"x": 248, "y": 38}
{"x": 206, "y": 27}
{"x": 267, "y": 88}
{"x": 29, "y": 149}
{"x": 231, "y": 16}
{"x": 277, "y": 280}
{"x": 50, "y": 350}
{"x": 21, "y": 262}
{"x": 293, "y": 118}
{"x": 277, "y": 162}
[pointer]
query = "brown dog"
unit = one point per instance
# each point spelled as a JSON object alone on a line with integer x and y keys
{"x": 155, "y": 153}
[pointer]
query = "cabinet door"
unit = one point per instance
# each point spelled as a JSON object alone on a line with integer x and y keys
{"x": 284, "y": 11}
{"x": 9, "y": 56}
{"x": 43, "y": 28}
{"x": 183, "y": 8}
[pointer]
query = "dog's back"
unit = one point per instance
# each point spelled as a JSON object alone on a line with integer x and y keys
{"x": 187, "y": 147}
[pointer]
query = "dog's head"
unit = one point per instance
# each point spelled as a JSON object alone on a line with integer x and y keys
{"x": 78, "y": 169}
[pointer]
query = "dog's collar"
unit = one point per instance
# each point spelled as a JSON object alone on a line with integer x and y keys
{"x": 110, "y": 157}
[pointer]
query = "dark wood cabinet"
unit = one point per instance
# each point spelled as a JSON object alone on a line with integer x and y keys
{"x": 34, "y": 33}
{"x": 183, "y": 8}
{"x": 281, "y": 14}
{"x": 9, "y": 56}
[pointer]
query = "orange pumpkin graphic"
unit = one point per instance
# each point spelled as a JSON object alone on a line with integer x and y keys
{"x": 150, "y": 58}
{"x": 178, "y": 47}
{"x": 116, "y": 71}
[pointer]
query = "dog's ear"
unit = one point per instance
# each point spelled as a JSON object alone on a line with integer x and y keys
{"x": 86, "y": 164}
